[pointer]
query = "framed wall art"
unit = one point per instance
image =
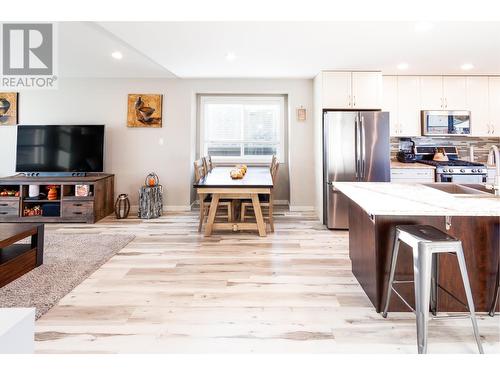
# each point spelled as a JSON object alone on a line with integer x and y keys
{"x": 9, "y": 114}
{"x": 144, "y": 110}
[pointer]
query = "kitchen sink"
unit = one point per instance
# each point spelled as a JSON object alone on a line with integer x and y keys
{"x": 463, "y": 190}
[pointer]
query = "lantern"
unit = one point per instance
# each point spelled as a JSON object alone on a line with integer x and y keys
{"x": 122, "y": 206}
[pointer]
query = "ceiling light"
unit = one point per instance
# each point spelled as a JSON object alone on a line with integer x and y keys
{"x": 230, "y": 56}
{"x": 402, "y": 66}
{"x": 467, "y": 66}
{"x": 117, "y": 55}
{"x": 423, "y": 26}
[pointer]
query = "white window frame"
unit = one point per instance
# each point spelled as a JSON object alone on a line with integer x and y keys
{"x": 242, "y": 99}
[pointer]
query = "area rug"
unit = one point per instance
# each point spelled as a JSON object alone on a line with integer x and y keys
{"x": 68, "y": 260}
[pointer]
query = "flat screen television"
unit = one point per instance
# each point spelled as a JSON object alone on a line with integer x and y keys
{"x": 61, "y": 149}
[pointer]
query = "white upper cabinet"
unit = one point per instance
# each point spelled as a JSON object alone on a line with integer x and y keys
{"x": 494, "y": 112}
{"x": 401, "y": 98}
{"x": 390, "y": 102}
{"x": 366, "y": 90}
{"x": 431, "y": 93}
{"x": 443, "y": 93}
{"x": 345, "y": 90}
{"x": 337, "y": 90}
{"x": 477, "y": 104}
{"x": 454, "y": 93}
{"x": 409, "y": 106}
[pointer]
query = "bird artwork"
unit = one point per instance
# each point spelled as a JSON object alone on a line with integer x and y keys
{"x": 8, "y": 108}
{"x": 144, "y": 110}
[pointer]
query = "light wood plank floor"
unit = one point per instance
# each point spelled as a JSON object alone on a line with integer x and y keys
{"x": 172, "y": 290}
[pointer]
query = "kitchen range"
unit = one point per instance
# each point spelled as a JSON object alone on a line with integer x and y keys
{"x": 449, "y": 168}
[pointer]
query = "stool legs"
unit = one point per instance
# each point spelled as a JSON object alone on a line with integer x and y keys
{"x": 394, "y": 261}
{"x": 495, "y": 293}
{"x": 434, "y": 283}
{"x": 422, "y": 268}
{"x": 468, "y": 293}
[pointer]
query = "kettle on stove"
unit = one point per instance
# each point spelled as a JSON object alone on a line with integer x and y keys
{"x": 440, "y": 155}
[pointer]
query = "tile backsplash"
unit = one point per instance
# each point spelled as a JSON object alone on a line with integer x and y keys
{"x": 481, "y": 145}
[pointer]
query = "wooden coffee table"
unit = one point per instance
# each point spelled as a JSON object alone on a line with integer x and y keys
{"x": 16, "y": 259}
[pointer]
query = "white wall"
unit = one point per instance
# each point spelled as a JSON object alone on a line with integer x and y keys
{"x": 318, "y": 145}
{"x": 133, "y": 152}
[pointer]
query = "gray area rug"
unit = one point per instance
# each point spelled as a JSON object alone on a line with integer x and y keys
{"x": 68, "y": 260}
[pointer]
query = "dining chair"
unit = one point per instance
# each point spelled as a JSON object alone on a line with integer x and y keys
{"x": 205, "y": 199}
{"x": 266, "y": 200}
{"x": 207, "y": 162}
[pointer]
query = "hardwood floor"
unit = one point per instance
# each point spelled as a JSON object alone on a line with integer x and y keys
{"x": 172, "y": 290}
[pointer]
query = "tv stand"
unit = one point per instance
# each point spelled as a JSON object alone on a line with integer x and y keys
{"x": 65, "y": 207}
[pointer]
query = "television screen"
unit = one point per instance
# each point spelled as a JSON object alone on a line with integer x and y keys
{"x": 60, "y": 148}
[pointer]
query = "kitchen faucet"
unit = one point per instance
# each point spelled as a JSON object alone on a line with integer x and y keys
{"x": 495, "y": 154}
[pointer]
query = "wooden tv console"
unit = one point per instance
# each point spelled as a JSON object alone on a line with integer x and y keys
{"x": 66, "y": 208}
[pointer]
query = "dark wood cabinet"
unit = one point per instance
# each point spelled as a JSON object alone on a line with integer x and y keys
{"x": 66, "y": 207}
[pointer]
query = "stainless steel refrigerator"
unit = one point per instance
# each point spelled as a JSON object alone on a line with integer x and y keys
{"x": 355, "y": 148}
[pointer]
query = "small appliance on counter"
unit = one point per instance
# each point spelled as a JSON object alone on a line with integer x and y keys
{"x": 406, "y": 153}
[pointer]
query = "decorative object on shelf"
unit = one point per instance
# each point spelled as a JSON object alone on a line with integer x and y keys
{"x": 122, "y": 206}
{"x": 34, "y": 191}
{"x": 9, "y": 193}
{"x": 301, "y": 114}
{"x": 152, "y": 180}
{"x": 53, "y": 194}
{"x": 238, "y": 172}
{"x": 33, "y": 211}
{"x": 144, "y": 110}
{"x": 82, "y": 190}
{"x": 150, "y": 202}
{"x": 8, "y": 108}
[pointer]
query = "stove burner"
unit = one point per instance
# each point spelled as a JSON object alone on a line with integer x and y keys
{"x": 451, "y": 163}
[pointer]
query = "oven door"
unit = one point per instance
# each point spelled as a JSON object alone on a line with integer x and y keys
{"x": 461, "y": 178}
{"x": 446, "y": 123}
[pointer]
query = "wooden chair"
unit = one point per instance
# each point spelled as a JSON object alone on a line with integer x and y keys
{"x": 205, "y": 200}
{"x": 266, "y": 201}
{"x": 207, "y": 162}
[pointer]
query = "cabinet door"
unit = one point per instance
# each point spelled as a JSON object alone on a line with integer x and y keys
{"x": 454, "y": 93}
{"x": 337, "y": 90}
{"x": 409, "y": 105}
{"x": 390, "y": 102}
{"x": 494, "y": 104}
{"x": 367, "y": 90}
{"x": 431, "y": 93}
{"x": 477, "y": 104}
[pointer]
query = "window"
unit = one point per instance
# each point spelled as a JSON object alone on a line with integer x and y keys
{"x": 237, "y": 128}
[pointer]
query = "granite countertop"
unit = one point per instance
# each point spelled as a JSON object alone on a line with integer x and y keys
{"x": 385, "y": 198}
{"x": 398, "y": 164}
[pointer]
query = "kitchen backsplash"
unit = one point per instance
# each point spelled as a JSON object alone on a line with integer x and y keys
{"x": 481, "y": 145}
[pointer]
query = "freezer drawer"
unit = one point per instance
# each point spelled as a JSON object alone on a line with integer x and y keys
{"x": 337, "y": 209}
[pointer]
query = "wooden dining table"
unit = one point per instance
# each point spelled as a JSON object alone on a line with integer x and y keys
{"x": 220, "y": 185}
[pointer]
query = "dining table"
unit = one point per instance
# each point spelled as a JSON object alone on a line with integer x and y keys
{"x": 219, "y": 184}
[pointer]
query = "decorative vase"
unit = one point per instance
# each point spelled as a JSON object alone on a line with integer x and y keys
{"x": 152, "y": 180}
{"x": 52, "y": 195}
{"x": 122, "y": 206}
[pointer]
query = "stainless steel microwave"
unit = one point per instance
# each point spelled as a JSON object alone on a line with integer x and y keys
{"x": 441, "y": 123}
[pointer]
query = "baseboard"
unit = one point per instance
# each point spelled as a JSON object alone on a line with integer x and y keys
{"x": 135, "y": 208}
{"x": 302, "y": 208}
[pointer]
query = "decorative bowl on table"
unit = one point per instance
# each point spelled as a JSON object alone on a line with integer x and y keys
{"x": 238, "y": 172}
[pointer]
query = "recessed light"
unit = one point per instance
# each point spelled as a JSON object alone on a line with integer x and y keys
{"x": 467, "y": 66}
{"x": 230, "y": 56}
{"x": 423, "y": 26}
{"x": 117, "y": 55}
{"x": 402, "y": 66}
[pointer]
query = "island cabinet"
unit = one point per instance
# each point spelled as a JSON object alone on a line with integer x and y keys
{"x": 374, "y": 211}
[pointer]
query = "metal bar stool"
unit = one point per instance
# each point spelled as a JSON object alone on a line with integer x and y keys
{"x": 427, "y": 243}
{"x": 496, "y": 292}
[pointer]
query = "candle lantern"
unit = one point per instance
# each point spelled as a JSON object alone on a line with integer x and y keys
{"x": 152, "y": 180}
{"x": 122, "y": 206}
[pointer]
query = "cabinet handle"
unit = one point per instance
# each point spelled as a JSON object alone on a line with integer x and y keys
{"x": 77, "y": 204}
{"x": 354, "y": 101}
{"x": 77, "y": 213}
{"x": 442, "y": 103}
{"x": 349, "y": 100}
{"x": 3, "y": 213}
{"x": 3, "y": 204}
{"x": 445, "y": 102}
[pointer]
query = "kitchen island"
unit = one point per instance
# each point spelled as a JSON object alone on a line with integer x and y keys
{"x": 469, "y": 215}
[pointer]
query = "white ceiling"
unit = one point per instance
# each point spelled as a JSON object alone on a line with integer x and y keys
{"x": 84, "y": 50}
{"x": 275, "y": 49}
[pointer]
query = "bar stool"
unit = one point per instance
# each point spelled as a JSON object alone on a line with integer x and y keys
{"x": 427, "y": 243}
{"x": 494, "y": 302}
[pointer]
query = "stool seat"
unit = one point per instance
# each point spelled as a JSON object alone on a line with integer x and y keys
{"x": 426, "y": 233}
{"x": 427, "y": 242}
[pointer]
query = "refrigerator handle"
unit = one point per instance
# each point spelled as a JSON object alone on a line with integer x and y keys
{"x": 363, "y": 148}
{"x": 356, "y": 148}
